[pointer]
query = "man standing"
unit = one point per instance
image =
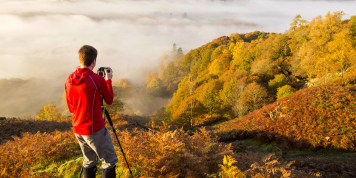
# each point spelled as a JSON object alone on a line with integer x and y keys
{"x": 84, "y": 90}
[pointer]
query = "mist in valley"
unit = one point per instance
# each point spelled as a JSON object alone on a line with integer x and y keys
{"x": 40, "y": 40}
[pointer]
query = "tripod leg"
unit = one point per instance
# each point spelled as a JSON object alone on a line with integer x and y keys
{"x": 117, "y": 138}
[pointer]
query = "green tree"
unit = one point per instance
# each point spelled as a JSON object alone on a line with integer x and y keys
{"x": 285, "y": 91}
{"x": 278, "y": 81}
{"x": 227, "y": 94}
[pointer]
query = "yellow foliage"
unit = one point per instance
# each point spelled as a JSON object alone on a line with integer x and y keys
{"x": 229, "y": 170}
{"x": 49, "y": 113}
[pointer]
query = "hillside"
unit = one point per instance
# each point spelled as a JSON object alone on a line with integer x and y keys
{"x": 316, "y": 117}
{"x": 10, "y": 128}
{"x": 151, "y": 153}
{"x": 161, "y": 152}
{"x": 237, "y": 74}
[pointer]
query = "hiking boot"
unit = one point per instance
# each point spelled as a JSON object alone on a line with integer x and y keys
{"x": 109, "y": 173}
{"x": 89, "y": 172}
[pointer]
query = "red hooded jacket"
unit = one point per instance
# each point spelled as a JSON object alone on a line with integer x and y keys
{"x": 83, "y": 91}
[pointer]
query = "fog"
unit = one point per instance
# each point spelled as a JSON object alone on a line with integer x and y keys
{"x": 40, "y": 38}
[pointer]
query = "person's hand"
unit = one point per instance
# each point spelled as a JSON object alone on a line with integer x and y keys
{"x": 108, "y": 74}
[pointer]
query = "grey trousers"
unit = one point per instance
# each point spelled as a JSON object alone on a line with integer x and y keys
{"x": 98, "y": 145}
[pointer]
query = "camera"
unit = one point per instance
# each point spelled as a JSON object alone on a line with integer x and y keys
{"x": 101, "y": 71}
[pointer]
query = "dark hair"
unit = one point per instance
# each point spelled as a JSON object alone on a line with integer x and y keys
{"x": 87, "y": 54}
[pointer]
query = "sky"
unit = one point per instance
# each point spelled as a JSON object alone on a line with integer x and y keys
{"x": 39, "y": 39}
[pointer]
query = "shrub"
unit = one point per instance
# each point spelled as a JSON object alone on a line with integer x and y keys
{"x": 19, "y": 155}
{"x": 271, "y": 166}
{"x": 173, "y": 153}
{"x": 229, "y": 170}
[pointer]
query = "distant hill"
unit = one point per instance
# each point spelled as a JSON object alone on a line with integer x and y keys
{"x": 27, "y": 96}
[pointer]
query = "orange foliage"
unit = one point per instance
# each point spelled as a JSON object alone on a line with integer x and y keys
{"x": 19, "y": 155}
{"x": 173, "y": 153}
{"x": 321, "y": 116}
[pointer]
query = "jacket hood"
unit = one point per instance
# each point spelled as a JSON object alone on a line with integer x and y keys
{"x": 78, "y": 76}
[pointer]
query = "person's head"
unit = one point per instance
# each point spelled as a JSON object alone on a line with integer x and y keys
{"x": 87, "y": 55}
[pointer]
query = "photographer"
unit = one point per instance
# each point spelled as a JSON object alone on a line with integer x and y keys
{"x": 84, "y": 90}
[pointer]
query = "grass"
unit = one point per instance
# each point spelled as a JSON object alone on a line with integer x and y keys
{"x": 336, "y": 155}
{"x": 65, "y": 168}
{"x": 71, "y": 169}
{"x": 263, "y": 148}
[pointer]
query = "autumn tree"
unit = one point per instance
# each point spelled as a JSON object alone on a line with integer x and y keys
{"x": 228, "y": 96}
{"x": 49, "y": 113}
{"x": 117, "y": 105}
{"x": 220, "y": 64}
{"x": 210, "y": 97}
{"x": 342, "y": 54}
{"x": 308, "y": 52}
{"x": 179, "y": 96}
{"x": 242, "y": 56}
{"x": 352, "y": 24}
{"x": 329, "y": 49}
{"x": 171, "y": 76}
{"x": 264, "y": 68}
{"x": 231, "y": 92}
{"x": 123, "y": 87}
{"x": 155, "y": 87}
{"x": 254, "y": 96}
{"x": 188, "y": 110}
{"x": 150, "y": 76}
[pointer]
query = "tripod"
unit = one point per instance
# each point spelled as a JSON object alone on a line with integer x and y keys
{"x": 118, "y": 141}
{"x": 117, "y": 138}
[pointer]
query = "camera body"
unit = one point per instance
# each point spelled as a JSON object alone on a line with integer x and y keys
{"x": 101, "y": 71}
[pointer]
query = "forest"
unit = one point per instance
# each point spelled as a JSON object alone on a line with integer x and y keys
{"x": 245, "y": 105}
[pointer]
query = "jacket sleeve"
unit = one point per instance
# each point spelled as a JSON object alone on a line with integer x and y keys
{"x": 106, "y": 91}
{"x": 69, "y": 103}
